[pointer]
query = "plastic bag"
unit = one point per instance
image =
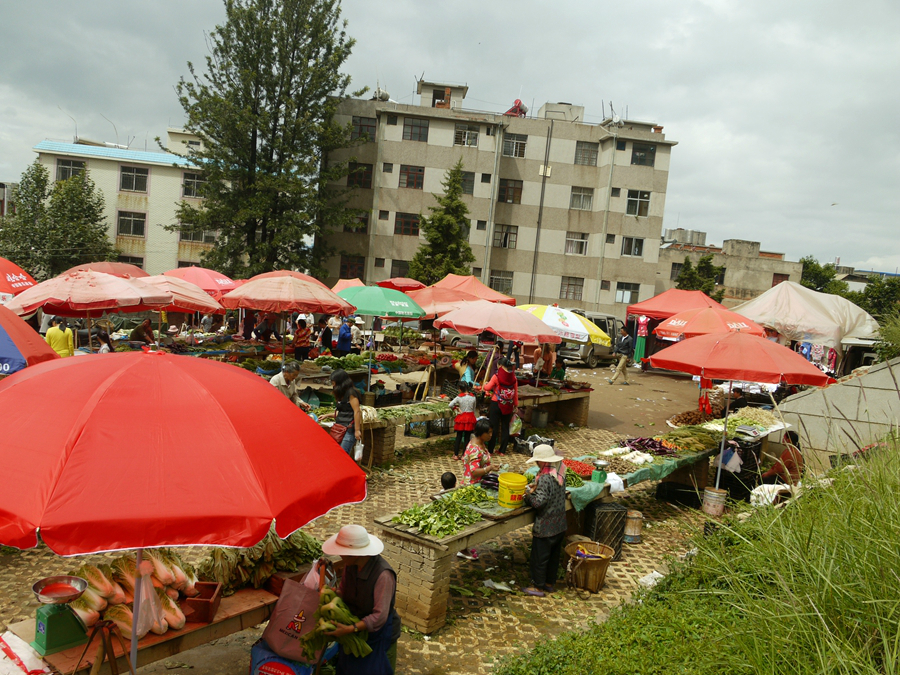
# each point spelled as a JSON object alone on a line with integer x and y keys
{"x": 150, "y": 612}
{"x": 358, "y": 451}
{"x": 311, "y": 580}
{"x": 515, "y": 425}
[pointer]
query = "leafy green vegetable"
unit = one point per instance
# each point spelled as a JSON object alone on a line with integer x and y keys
{"x": 439, "y": 518}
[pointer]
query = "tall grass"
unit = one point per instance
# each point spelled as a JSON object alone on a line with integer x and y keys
{"x": 810, "y": 588}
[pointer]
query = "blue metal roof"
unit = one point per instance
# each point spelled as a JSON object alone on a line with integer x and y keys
{"x": 110, "y": 153}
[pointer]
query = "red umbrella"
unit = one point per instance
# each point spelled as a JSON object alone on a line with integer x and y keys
{"x": 20, "y": 346}
{"x": 13, "y": 279}
{"x": 95, "y": 484}
{"x": 289, "y": 273}
{"x": 472, "y": 286}
{"x": 705, "y": 320}
{"x": 117, "y": 269}
{"x": 186, "y": 297}
{"x": 438, "y": 301}
{"x": 346, "y": 283}
{"x": 88, "y": 292}
{"x": 507, "y": 322}
{"x": 402, "y": 284}
{"x": 286, "y": 293}
{"x": 212, "y": 282}
{"x": 671, "y": 302}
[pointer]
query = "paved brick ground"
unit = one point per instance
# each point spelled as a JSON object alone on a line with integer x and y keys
{"x": 480, "y": 629}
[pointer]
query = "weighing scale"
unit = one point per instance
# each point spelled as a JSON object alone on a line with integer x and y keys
{"x": 57, "y": 626}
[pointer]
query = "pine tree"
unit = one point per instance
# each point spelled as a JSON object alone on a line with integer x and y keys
{"x": 265, "y": 110}
{"x": 446, "y": 248}
{"x": 700, "y": 278}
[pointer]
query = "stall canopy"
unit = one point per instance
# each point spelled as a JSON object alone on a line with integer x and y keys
{"x": 402, "y": 284}
{"x": 502, "y": 320}
{"x": 694, "y": 322}
{"x": 378, "y": 301}
{"x": 117, "y": 269}
{"x": 186, "y": 297}
{"x": 568, "y": 325}
{"x": 438, "y": 301}
{"x": 289, "y": 273}
{"x": 672, "y": 302}
{"x": 346, "y": 283}
{"x": 802, "y": 314}
{"x": 214, "y": 283}
{"x": 472, "y": 286}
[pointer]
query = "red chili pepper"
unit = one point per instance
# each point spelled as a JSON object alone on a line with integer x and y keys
{"x": 582, "y": 469}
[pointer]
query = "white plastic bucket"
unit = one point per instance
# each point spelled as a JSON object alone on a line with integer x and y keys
{"x": 714, "y": 501}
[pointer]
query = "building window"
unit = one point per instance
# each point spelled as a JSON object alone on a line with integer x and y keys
{"x": 139, "y": 262}
{"x": 181, "y": 263}
{"x": 481, "y": 225}
{"x": 387, "y": 167}
{"x": 392, "y": 120}
{"x": 632, "y": 246}
{"x": 399, "y": 268}
{"x": 582, "y": 198}
{"x": 627, "y": 293}
{"x": 466, "y": 134}
{"x": 720, "y": 279}
{"x": 505, "y": 236}
{"x": 415, "y": 129}
{"x": 610, "y": 239}
{"x": 571, "y": 288}
{"x": 510, "y": 191}
{"x": 615, "y": 192}
{"x": 66, "y": 168}
{"x": 514, "y": 145}
{"x": 485, "y": 178}
{"x": 134, "y": 179}
{"x": 352, "y": 267}
{"x": 131, "y": 224}
{"x": 638, "y": 203}
{"x": 379, "y": 262}
{"x": 384, "y": 215}
{"x": 360, "y": 225}
{"x": 412, "y": 176}
{"x": 586, "y": 153}
{"x": 197, "y": 236}
{"x": 676, "y": 270}
{"x": 604, "y": 285}
{"x": 501, "y": 281}
{"x": 620, "y": 145}
{"x": 642, "y": 154}
{"x": 363, "y": 127}
{"x": 191, "y": 184}
{"x": 468, "y": 182}
{"x": 576, "y": 243}
{"x": 476, "y": 272}
{"x": 359, "y": 175}
{"x": 193, "y": 144}
{"x": 407, "y": 223}
{"x": 490, "y": 131}
{"x": 779, "y": 278}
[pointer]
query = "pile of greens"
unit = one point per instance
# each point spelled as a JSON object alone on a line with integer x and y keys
{"x": 439, "y": 518}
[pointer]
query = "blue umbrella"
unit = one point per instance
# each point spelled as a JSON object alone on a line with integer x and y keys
{"x": 20, "y": 345}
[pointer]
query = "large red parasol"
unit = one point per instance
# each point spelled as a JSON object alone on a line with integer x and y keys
{"x": 706, "y": 320}
{"x": 117, "y": 269}
{"x": 402, "y": 284}
{"x": 186, "y": 297}
{"x": 20, "y": 345}
{"x": 13, "y": 279}
{"x": 286, "y": 293}
{"x": 671, "y": 302}
{"x": 739, "y": 356}
{"x": 82, "y": 293}
{"x": 438, "y": 301}
{"x": 507, "y": 322}
{"x": 192, "y": 465}
{"x": 473, "y": 286}
{"x": 289, "y": 273}
{"x": 346, "y": 283}
{"x": 214, "y": 283}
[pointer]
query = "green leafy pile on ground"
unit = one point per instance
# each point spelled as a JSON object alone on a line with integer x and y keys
{"x": 810, "y": 588}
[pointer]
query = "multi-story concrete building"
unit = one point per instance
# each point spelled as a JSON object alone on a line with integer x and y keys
{"x": 561, "y": 211}
{"x": 7, "y": 203}
{"x": 749, "y": 271}
{"x": 142, "y": 191}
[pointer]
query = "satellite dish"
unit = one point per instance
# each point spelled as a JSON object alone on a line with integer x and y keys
{"x": 615, "y": 119}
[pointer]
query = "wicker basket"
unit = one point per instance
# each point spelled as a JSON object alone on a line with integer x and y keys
{"x": 588, "y": 573}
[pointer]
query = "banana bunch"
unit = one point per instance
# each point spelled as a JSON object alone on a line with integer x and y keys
{"x": 332, "y": 611}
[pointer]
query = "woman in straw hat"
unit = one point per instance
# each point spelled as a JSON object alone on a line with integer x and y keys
{"x": 368, "y": 586}
{"x": 547, "y": 495}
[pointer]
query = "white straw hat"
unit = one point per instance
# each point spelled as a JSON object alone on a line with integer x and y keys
{"x": 544, "y": 453}
{"x": 353, "y": 540}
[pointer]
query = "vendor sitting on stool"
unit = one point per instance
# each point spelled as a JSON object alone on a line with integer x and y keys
{"x": 547, "y": 495}
{"x": 286, "y": 383}
{"x": 789, "y": 466}
{"x": 368, "y": 586}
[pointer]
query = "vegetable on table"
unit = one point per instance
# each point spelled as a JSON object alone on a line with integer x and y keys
{"x": 439, "y": 518}
{"x": 580, "y": 468}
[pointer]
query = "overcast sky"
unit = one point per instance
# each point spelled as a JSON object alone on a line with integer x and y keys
{"x": 785, "y": 113}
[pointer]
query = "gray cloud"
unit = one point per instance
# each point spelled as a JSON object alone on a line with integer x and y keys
{"x": 780, "y": 109}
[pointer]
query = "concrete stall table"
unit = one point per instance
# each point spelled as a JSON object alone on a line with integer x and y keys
{"x": 423, "y": 562}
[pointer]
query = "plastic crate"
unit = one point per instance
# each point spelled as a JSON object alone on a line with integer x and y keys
{"x": 394, "y": 398}
{"x": 450, "y": 388}
{"x": 440, "y": 427}
{"x": 605, "y": 524}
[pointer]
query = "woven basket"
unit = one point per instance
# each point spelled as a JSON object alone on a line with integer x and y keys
{"x": 588, "y": 573}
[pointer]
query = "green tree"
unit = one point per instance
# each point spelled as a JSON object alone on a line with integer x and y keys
{"x": 56, "y": 226}
{"x": 265, "y": 110}
{"x": 821, "y": 277}
{"x": 888, "y": 345}
{"x": 701, "y": 278}
{"x": 446, "y": 248}
{"x": 879, "y": 298}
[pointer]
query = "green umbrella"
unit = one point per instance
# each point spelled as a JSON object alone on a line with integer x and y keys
{"x": 378, "y": 301}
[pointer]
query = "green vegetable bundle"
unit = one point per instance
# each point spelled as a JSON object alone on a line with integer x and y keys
{"x": 573, "y": 479}
{"x": 439, "y": 518}
{"x": 470, "y": 494}
{"x": 333, "y": 610}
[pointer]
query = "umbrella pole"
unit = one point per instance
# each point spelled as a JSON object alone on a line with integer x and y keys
{"x": 137, "y": 607}
{"x": 724, "y": 434}
{"x": 90, "y": 341}
{"x": 281, "y": 319}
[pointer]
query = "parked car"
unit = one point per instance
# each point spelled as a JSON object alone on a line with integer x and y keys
{"x": 589, "y": 353}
